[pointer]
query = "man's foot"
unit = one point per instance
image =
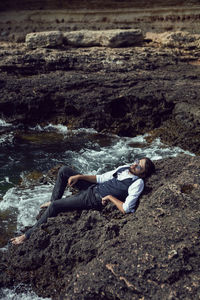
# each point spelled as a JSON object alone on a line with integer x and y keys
{"x": 46, "y": 204}
{"x": 18, "y": 240}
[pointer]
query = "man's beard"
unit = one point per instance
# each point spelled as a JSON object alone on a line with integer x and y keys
{"x": 131, "y": 171}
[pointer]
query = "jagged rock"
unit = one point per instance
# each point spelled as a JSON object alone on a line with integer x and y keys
{"x": 177, "y": 39}
{"x": 121, "y": 38}
{"x": 152, "y": 254}
{"x": 127, "y": 91}
{"x": 181, "y": 39}
{"x": 108, "y": 38}
{"x": 85, "y": 38}
{"x": 82, "y": 38}
{"x": 44, "y": 39}
{"x": 187, "y": 115}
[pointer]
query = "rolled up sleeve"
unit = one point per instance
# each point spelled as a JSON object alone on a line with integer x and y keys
{"x": 134, "y": 192}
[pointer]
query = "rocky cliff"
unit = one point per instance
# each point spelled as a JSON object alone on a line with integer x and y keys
{"x": 151, "y": 85}
{"x": 152, "y": 254}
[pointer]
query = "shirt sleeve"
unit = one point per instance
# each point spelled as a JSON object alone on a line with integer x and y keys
{"x": 107, "y": 176}
{"x": 134, "y": 191}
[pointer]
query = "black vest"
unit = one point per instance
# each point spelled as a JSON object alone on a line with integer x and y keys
{"x": 116, "y": 188}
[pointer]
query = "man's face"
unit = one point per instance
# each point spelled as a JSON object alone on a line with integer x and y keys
{"x": 138, "y": 167}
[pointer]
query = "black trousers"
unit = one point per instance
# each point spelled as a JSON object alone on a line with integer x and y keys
{"x": 87, "y": 198}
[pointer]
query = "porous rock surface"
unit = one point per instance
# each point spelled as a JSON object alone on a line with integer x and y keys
{"x": 152, "y": 254}
{"x": 44, "y": 39}
{"x": 85, "y": 38}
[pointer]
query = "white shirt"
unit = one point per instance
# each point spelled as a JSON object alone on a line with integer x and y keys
{"x": 134, "y": 190}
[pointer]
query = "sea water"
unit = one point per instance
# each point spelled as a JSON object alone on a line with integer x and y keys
{"x": 39, "y": 149}
{"x": 17, "y": 294}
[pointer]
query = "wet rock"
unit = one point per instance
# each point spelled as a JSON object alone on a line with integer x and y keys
{"x": 152, "y": 254}
{"x": 172, "y": 132}
{"x": 39, "y": 138}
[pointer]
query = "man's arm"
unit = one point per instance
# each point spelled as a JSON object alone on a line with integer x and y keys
{"x": 131, "y": 200}
{"x": 118, "y": 203}
{"x": 74, "y": 179}
{"x": 92, "y": 178}
{"x": 134, "y": 192}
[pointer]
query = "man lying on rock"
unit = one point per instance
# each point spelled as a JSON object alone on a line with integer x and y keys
{"x": 121, "y": 186}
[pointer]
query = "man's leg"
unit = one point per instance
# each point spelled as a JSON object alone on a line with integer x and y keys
{"x": 62, "y": 179}
{"x": 82, "y": 200}
{"x": 61, "y": 183}
{"x": 61, "y": 205}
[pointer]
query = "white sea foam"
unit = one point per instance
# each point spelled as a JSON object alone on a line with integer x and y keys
{"x": 6, "y": 138}
{"x": 122, "y": 152}
{"x": 7, "y": 179}
{"x": 27, "y": 201}
{"x": 3, "y": 123}
{"x": 8, "y": 294}
{"x": 62, "y": 129}
{"x": 84, "y": 130}
{"x": 50, "y": 127}
{"x": 159, "y": 150}
{"x": 37, "y": 128}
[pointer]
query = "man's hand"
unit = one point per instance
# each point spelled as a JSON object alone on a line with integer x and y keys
{"x": 105, "y": 200}
{"x": 73, "y": 180}
{"x": 114, "y": 200}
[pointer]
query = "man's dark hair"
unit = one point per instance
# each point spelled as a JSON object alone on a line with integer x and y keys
{"x": 149, "y": 167}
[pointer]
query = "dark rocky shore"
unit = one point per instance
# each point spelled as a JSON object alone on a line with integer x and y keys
{"x": 152, "y": 85}
{"x": 152, "y": 254}
{"x": 103, "y": 81}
